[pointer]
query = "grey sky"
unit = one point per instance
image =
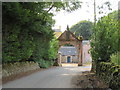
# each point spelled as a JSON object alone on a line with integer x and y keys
{"x": 85, "y": 13}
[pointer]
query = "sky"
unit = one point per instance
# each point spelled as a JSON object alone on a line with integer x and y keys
{"x": 86, "y": 12}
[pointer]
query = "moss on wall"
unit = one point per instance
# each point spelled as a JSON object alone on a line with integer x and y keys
{"x": 18, "y": 67}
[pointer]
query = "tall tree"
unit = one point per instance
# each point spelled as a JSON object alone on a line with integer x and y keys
{"x": 107, "y": 38}
{"x": 27, "y": 29}
{"x": 83, "y": 28}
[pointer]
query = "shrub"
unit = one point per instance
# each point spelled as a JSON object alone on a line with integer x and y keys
{"x": 109, "y": 73}
{"x": 45, "y": 63}
{"x": 55, "y": 64}
{"x": 115, "y": 58}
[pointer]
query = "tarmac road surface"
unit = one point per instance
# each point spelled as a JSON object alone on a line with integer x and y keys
{"x": 58, "y": 77}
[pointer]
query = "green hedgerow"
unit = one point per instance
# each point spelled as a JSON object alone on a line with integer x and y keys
{"x": 115, "y": 58}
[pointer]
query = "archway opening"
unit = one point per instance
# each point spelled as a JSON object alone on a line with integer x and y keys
{"x": 68, "y": 37}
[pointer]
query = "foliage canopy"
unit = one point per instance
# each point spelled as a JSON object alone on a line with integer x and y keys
{"x": 83, "y": 28}
{"x": 27, "y": 30}
{"x": 106, "y": 38}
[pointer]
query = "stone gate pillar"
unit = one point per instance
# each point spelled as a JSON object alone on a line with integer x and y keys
{"x": 80, "y": 54}
{"x": 59, "y": 58}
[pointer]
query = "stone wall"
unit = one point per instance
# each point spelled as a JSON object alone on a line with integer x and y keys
{"x": 109, "y": 73}
{"x": 18, "y": 67}
{"x": 63, "y": 59}
{"x": 74, "y": 59}
{"x": 86, "y": 55}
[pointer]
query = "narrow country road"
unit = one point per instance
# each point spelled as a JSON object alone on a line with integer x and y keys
{"x": 58, "y": 77}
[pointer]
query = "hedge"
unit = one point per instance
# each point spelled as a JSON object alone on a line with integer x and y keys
{"x": 109, "y": 73}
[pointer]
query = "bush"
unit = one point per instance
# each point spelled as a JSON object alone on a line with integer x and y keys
{"x": 27, "y": 37}
{"x": 115, "y": 58}
{"x": 45, "y": 63}
{"x": 109, "y": 73}
{"x": 115, "y": 81}
{"x": 105, "y": 31}
{"x": 55, "y": 64}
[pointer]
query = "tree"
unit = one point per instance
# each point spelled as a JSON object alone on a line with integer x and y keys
{"x": 107, "y": 38}
{"x": 83, "y": 28}
{"x": 27, "y": 30}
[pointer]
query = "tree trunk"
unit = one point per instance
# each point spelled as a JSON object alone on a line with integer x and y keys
{"x": 93, "y": 69}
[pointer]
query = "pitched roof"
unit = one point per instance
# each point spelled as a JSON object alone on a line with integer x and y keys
{"x": 66, "y": 34}
{"x": 68, "y": 50}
